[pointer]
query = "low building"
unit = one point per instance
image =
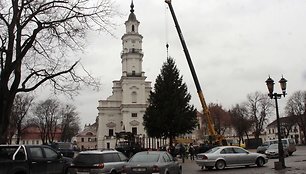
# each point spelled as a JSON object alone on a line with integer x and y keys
{"x": 32, "y": 135}
{"x": 87, "y": 139}
{"x": 289, "y": 129}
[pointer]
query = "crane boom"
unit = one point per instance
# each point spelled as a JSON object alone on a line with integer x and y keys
{"x": 206, "y": 111}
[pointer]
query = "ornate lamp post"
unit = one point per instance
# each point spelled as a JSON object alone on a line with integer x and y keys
{"x": 270, "y": 85}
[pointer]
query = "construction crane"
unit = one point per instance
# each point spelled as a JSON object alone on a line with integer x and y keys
{"x": 218, "y": 139}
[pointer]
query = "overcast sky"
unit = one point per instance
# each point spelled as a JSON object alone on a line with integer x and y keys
{"x": 234, "y": 45}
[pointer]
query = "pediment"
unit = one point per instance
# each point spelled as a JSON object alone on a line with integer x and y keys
{"x": 111, "y": 124}
{"x": 134, "y": 123}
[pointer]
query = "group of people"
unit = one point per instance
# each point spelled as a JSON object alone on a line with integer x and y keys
{"x": 182, "y": 151}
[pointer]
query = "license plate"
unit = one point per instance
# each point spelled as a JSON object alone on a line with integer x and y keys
{"x": 139, "y": 169}
{"x": 83, "y": 171}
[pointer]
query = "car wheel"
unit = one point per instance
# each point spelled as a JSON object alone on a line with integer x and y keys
{"x": 220, "y": 164}
{"x": 260, "y": 162}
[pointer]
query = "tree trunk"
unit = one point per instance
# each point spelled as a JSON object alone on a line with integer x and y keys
{"x": 6, "y": 103}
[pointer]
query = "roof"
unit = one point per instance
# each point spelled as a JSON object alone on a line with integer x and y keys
{"x": 98, "y": 151}
{"x": 132, "y": 16}
{"x": 33, "y": 133}
{"x": 289, "y": 119}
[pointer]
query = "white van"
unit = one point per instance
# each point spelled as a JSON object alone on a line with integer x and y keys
{"x": 288, "y": 143}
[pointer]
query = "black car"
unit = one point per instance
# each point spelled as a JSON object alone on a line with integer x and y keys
{"x": 65, "y": 148}
{"x": 40, "y": 159}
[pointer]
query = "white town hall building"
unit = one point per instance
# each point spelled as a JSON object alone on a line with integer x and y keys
{"x": 124, "y": 109}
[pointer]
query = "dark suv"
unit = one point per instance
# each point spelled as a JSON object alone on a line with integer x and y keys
{"x": 93, "y": 162}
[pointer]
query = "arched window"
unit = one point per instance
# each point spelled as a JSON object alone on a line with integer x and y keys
{"x": 133, "y": 28}
{"x": 134, "y": 97}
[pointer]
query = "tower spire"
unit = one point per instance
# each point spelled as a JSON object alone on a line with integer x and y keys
{"x": 132, "y": 7}
{"x": 167, "y": 46}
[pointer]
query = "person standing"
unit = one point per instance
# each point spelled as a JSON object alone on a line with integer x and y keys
{"x": 191, "y": 151}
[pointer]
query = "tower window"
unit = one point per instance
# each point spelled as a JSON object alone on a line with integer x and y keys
{"x": 133, "y": 28}
{"x": 111, "y": 132}
{"x": 134, "y": 114}
{"x": 133, "y": 73}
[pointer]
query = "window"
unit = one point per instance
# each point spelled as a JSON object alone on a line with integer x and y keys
{"x": 111, "y": 132}
{"x": 82, "y": 139}
{"x": 133, "y": 28}
{"x": 50, "y": 153}
{"x": 134, "y": 130}
{"x": 122, "y": 157}
{"x": 238, "y": 150}
{"x": 110, "y": 157}
{"x": 227, "y": 151}
{"x": 134, "y": 114}
{"x": 133, "y": 73}
{"x": 89, "y": 139}
{"x": 36, "y": 152}
{"x": 166, "y": 158}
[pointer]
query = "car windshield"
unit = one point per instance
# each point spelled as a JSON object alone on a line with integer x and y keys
{"x": 88, "y": 159}
{"x": 213, "y": 150}
{"x": 273, "y": 146}
{"x": 145, "y": 157}
{"x": 265, "y": 144}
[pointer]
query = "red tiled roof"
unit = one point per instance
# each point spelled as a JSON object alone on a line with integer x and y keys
{"x": 33, "y": 132}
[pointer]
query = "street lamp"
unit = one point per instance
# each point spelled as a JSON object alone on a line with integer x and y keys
{"x": 270, "y": 85}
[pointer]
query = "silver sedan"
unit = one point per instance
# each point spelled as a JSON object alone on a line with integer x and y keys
{"x": 148, "y": 162}
{"x": 223, "y": 156}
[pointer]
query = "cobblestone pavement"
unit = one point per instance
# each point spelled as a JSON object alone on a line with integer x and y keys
{"x": 295, "y": 164}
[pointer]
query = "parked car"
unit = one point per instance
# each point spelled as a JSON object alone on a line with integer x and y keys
{"x": 262, "y": 148}
{"x": 224, "y": 156}
{"x": 32, "y": 159}
{"x": 66, "y": 148}
{"x": 273, "y": 152}
{"x": 94, "y": 162}
{"x": 148, "y": 162}
{"x": 288, "y": 143}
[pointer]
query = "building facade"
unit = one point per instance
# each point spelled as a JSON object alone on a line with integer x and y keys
{"x": 289, "y": 129}
{"x": 87, "y": 139}
{"x": 32, "y": 136}
{"x": 124, "y": 109}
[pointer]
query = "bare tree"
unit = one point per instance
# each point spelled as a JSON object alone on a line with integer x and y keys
{"x": 221, "y": 118}
{"x": 240, "y": 121}
{"x": 47, "y": 117}
{"x": 70, "y": 123}
{"x": 22, "y": 104}
{"x": 260, "y": 108}
{"x": 35, "y": 39}
{"x": 296, "y": 106}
